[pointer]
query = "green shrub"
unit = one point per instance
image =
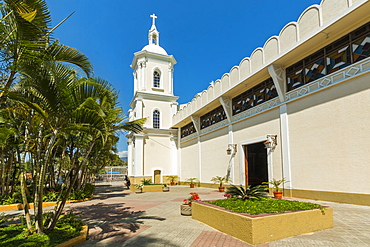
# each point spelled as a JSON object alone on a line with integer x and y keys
{"x": 50, "y": 196}
{"x": 90, "y": 188}
{"x": 264, "y": 205}
{"x": 146, "y": 181}
{"x": 16, "y": 198}
{"x": 68, "y": 227}
{"x": 248, "y": 192}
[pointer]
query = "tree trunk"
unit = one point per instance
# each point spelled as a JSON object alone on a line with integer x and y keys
{"x": 41, "y": 183}
{"x": 59, "y": 210}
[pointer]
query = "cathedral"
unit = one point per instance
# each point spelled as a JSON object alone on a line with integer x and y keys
{"x": 297, "y": 108}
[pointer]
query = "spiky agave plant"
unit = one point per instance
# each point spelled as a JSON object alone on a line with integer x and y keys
{"x": 247, "y": 192}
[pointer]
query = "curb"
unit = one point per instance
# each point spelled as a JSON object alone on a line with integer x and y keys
{"x": 77, "y": 240}
{"x": 12, "y": 207}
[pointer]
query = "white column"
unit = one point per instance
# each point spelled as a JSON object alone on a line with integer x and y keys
{"x": 139, "y": 108}
{"x": 285, "y": 145}
{"x": 232, "y": 156}
{"x": 179, "y": 152}
{"x": 138, "y": 168}
{"x": 199, "y": 160}
{"x": 173, "y": 155}
{"x": 170, "y": 78}
{"x": 129, "y": 157}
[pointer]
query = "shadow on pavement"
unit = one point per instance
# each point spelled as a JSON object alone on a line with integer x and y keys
{"x": 146, "y": 241}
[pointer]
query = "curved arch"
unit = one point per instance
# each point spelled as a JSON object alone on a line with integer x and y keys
{"x": 332, "y": 8}
{"x": 309, "y": 20}
{"x": 234, "y": 75}
{"x": 210, "y": 92}
{"x": 245, "y": 68}
{"x": 156, "y": 118}
{"x": 256, "y": 59}
{"x": 217, "y": 88}
{"x": 288, "y": 36}
{"x": 225, "y": 82}
{"x": 157, "y": 77}
{"x": 271, "y": 48}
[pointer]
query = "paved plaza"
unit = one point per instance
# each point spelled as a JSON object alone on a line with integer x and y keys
{"x": 119, "y": 217}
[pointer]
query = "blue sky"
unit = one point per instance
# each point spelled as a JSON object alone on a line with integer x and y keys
{"x": 208, "y": 36}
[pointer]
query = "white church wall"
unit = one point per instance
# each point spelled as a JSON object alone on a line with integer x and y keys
{"x": 329, "y": 134}
{"x": 309, "y": 21}
{"x": 165, "y": 113}
{"x": 156, "y": 152}
{"x": 332, "y": 8}
{"x": 162, "y": 66}
{"x": 253, "y": 128}
{"x": 214, "y": 157}
{"x": 189, "y": 160}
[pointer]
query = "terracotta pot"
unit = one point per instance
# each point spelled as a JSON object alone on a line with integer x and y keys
{"x": 278, "y": 194}
{"x": 172, "y": 183}
{"x": 221, "y": 189}
{"x": 191, "y": 185}
{"x": 185, "y": 209}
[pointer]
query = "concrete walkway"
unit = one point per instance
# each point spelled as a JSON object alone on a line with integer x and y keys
{"x": 118, "y": 217}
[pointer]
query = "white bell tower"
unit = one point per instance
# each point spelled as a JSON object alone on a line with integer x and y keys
{"x": 152, "y": 153}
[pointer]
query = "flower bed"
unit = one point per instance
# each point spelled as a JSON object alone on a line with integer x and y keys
{"x": 258, "y": 229}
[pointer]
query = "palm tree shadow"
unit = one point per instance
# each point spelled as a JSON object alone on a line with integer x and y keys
{"x": 114, "y": 222}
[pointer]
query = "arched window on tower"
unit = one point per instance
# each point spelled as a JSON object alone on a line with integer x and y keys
{"x": 156, "y": 79}
{"x": 156, "y": 119}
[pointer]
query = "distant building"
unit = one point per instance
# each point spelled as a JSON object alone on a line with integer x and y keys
{"x": 298, "y": 108}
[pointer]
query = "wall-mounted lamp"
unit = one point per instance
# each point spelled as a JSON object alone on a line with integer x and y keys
{"x": 271, "y": 142}
{"x": 231, "y": 149}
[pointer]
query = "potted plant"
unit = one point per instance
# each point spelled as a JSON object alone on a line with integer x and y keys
{"x": 172, "y": 180}
{"x": 278, "y": 193}
{"x": 221, "y": 181}
{"x": 192, "y": 181}
{"x": 165, "y": 188}
{"x": 139, "y": 188}
{"x": 186, "y": 206}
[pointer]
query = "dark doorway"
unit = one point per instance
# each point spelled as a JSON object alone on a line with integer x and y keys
{"x": 256, "y": 170}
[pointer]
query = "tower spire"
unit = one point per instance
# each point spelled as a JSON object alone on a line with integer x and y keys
{"x": 153, "y": 36}
{"x": 154, "y": 17}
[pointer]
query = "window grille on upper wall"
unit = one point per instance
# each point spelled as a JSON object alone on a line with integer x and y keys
{"x": 347, "y": 50}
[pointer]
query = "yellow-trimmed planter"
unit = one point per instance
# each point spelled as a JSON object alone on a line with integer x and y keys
{"x": 11, "y": 207}
{"x": 77, "y": 240}
{"x": 148, "y": 188}
{"x": 256, "y": 229}
{"x": 44, "y": 204}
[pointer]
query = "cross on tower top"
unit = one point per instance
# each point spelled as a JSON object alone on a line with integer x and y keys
{"x": 154, "y": 17}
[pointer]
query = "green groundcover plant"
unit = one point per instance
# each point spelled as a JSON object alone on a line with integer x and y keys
{"x": 264, "y": 205}
{"x": 49, "y": 196}
{"x": 68, "y": 227}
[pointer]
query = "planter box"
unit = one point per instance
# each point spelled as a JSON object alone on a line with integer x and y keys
{"x": 256, "y": 229}
{"x": 11, "y": 207}
{"x": 148, "y": 188}
{"x": 44, "y": 204}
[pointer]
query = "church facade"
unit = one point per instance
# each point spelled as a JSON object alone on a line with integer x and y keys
{"x": 297, "y": 108}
